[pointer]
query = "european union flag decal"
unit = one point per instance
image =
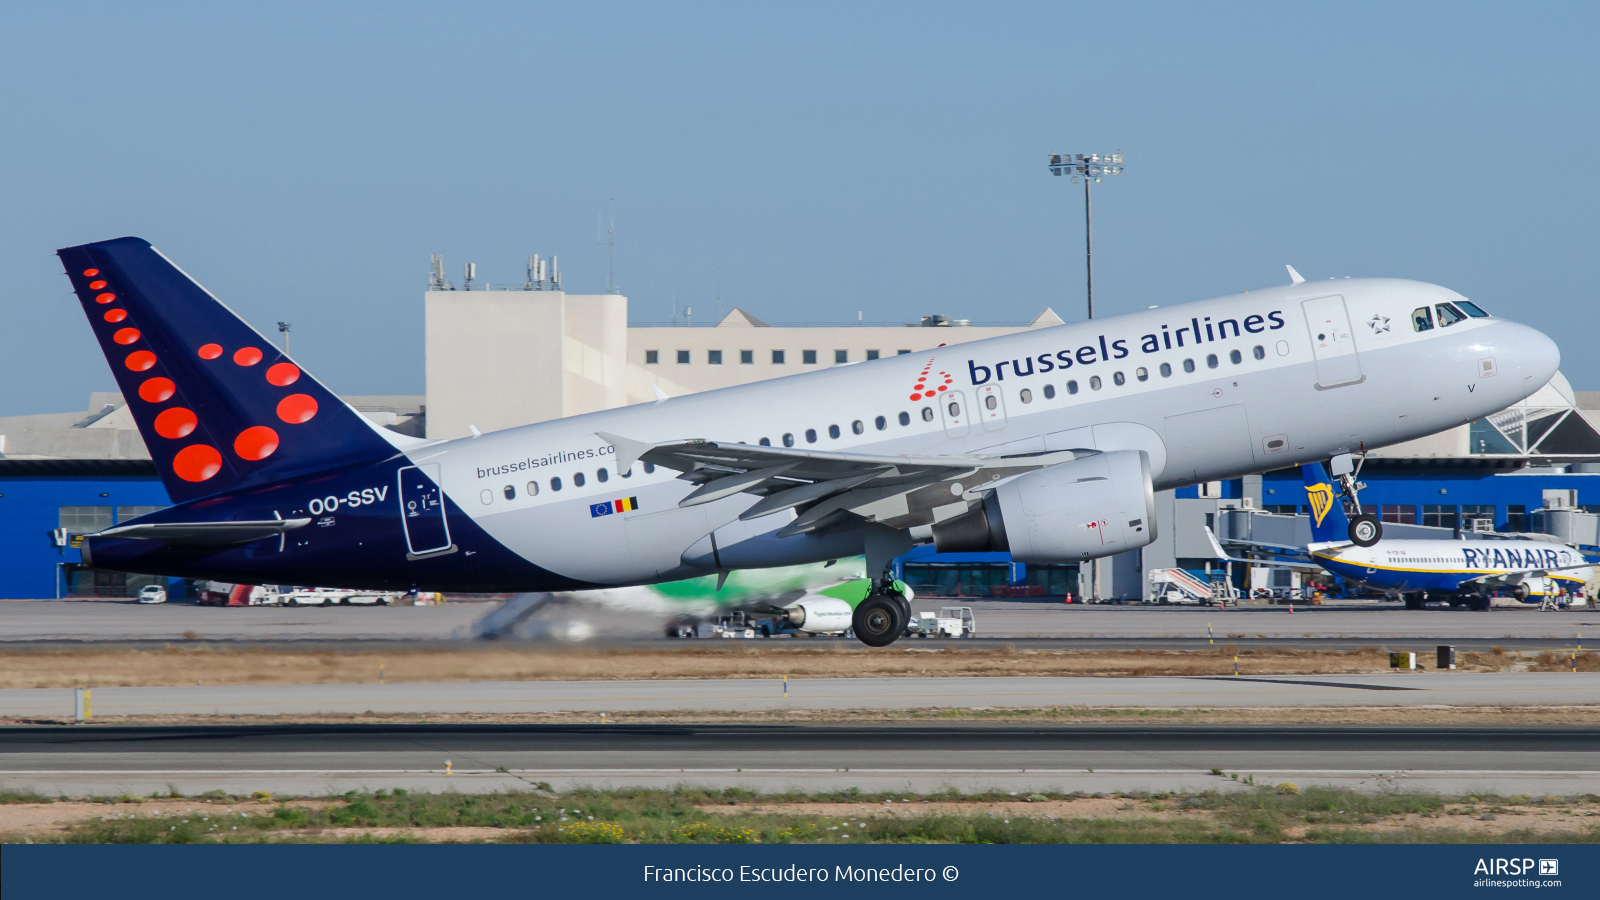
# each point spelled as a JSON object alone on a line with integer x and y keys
{"x": 599, "y": 509}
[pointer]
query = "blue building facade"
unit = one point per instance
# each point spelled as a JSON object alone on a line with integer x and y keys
{"x": 39, "y": 498}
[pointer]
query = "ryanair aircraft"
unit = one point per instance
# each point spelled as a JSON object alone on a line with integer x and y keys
{"x": 1047, "y": 444}
{"x": 1464, "y": 572}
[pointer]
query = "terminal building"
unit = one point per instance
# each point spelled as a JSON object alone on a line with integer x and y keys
{"x": 497, "y": 359}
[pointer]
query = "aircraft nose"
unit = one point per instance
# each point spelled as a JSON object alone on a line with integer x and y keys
{"x": 1532, "y": 352}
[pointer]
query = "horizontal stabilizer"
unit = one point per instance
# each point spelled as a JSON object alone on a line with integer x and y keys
{"x": 205, "y": 534}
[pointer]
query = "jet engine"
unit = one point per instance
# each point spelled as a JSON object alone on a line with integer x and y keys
{"x": 1091, "y": 507}
{"x": 820, "y": 615}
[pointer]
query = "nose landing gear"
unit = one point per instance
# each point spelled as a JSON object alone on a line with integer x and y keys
{"x": 1365, "y": 529}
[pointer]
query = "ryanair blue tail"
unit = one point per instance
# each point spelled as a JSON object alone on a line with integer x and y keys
{"x": 1328, "y": 519}
{"x": 218, "y": 405}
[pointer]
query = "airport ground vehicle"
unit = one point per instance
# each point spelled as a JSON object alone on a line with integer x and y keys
{"x": 153, "y": 593}
{"x": 1047, "y": 444}
{"x": 948, "y": 622}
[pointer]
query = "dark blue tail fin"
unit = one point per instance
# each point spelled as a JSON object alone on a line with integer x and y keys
{"x": 1328, "y": 520}
{"x": 218, "y": 406}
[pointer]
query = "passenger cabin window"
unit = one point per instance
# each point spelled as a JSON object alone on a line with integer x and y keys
{"x": 1421, "y": 319}
{"x": 1448, "y": 315}
{"x": 1235, "y": 357}
{"x": 577, "y": 479}
{"x": 1072, "y": 387}
{"x": 811, "y": 435}
{"x": 833, "y": 432}
{"x": 1472, "y": 309}
{"x": 955, "y": 410}
{"x": 765, "y": 442}
{"x": 881, "y": 423}
{"x": 905, "y": 418}
{"x": 1094, "y": 383}
{"x": 511, "y": 492}
{"x": 1166, "y": 370}
{"x": 988, "y": 401}
{"x": 1259, "y": 352}
{"x": 1188, "y": 365}
{"x": 858, "y": 428}
{"x": 652, "y": 357}
{"x": 603, "y": 475}
{"x": 1142, "y": 373}
{"x": 1119, "y": 379}
{"x": 1049, "y": 392}
{"x": 649, "y": 468}
{"x": 788, "y": 440}
{"x": 927, "y": 414}
{"x": 1026, "y": 396}
{"x": 555, "y": 483}
{"x": 1211, "y": 360}
{"x": 533, "y": 489}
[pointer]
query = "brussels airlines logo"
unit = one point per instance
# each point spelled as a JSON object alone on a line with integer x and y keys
{"x": 1198, "y": 331}
{"x": 925, "y": 386}
{"x": 1321, "y": 497}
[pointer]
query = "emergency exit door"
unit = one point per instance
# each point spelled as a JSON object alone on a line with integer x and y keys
{"x": 422, "y": 511}
{"x": 1332, "y": 345}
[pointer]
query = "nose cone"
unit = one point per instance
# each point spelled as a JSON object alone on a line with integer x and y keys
{"x": 1534, "y": 354}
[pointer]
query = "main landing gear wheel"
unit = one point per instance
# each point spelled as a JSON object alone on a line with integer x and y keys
{"x": 879, "y": 620}
{"x": 1366, "y": 530}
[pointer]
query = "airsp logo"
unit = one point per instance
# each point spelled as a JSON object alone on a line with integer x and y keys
{"x": 1549, "y": 867}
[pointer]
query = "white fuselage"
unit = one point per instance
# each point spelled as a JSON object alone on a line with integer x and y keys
{"x": 1209, "y": 390}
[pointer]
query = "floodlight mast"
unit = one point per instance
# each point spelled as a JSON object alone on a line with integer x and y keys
{"x": 1090, "y": 166}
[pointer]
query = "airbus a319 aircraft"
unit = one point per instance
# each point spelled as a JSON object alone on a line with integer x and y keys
{"x": 1048, "y": 444}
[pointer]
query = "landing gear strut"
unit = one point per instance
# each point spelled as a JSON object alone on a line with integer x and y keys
{"x": 1365, "y": 529}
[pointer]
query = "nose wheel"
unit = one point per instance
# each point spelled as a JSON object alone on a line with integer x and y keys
{"x": 1366, "y": 530}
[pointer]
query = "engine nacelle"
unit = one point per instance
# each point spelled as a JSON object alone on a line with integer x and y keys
{"x": 1091, "y": 507}
{"x": 820, "y": 615}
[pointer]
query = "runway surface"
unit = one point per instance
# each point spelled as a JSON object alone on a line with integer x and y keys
{"x": 45, "y": 622}
{"x": 322, "y": 759}
{"x": 1422, "y": 688}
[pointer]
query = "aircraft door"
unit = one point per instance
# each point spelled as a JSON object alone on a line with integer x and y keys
{"x": 422, "y": 511}
{"x": 953, "y": 408}
{"x": 991, "y": 409}
{"x": 1332, "y": 344}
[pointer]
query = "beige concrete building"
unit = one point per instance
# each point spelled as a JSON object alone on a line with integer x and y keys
{"x": 497, "y": 359}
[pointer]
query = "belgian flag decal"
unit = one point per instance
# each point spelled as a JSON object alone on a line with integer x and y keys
{"x": 626, "y": 504}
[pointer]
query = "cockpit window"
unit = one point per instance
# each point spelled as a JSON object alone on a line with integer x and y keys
{"x": 1421, "y": 319}
{"x": 1448, "y": 315}
{"x": 1472, "y": 309}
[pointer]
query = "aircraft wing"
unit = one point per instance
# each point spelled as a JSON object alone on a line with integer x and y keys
{"x": 1216, "y": 548}
{"x": 825, "y": 486}
{"x": 205, "y": 534}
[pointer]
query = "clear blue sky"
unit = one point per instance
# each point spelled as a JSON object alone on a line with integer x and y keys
{"x": 302, "y": 160}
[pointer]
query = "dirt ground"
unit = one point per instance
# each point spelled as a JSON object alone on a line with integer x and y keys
{"x": 97, "y": 667}
{"x": 1579, "y": 815}
{"x": 35, "y": 821}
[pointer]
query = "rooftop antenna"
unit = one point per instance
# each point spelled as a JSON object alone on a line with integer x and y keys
{"x": 436, "y": 279}
{"x": 535, "y": 280}
{"x": 610, "y": 243}
{"x": 472, "y": 272}
{"x": 555, "y": 275}
{"x": 283, "y": 329}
